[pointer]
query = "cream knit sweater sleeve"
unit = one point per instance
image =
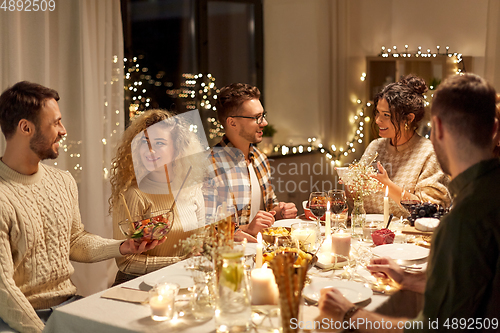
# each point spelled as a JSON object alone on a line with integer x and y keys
{"x": 15, "y": 309}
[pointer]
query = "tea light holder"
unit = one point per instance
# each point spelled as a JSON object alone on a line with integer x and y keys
{"x": 305, "y": 232}
{"x": 162, "y": 301}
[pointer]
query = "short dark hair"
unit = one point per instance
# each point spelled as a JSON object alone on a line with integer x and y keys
{"x": 231, "y": 97}
{"x": 24, "y": 100}
{"x": 403, "y": 97}
{"x": 466, "y": 105}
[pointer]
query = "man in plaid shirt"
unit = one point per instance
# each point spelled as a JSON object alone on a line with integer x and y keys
{"x": 242, "y": 172}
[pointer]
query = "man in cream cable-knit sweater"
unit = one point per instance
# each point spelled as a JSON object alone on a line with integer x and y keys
{"x": 40, "y": 227}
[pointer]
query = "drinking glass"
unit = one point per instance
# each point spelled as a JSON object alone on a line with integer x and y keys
{"x": 338, "y": 203}
{"x": 407, "y": 202}
{"x": 317, "y": 205}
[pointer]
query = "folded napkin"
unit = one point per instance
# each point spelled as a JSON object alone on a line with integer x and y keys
{"x": 126, "y": 295}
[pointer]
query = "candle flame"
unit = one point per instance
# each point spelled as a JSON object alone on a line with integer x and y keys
{"x": 259, "y": 238}
{"x": 264, "y": 266}
{"x": 328, "y": 206}
{"x": 387, "y": 191}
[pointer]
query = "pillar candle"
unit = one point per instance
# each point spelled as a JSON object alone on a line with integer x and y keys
{"x": 328, "y": 221}
{"x": 264, "y": 287}
{"x": 258, "y": 255}
{"x": 386, "y": 205}
{"x": 325, "y": 252}
{"x": 341, "y": 243}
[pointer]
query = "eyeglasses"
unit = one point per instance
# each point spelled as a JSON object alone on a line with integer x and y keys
{"x": 258, "y": 119}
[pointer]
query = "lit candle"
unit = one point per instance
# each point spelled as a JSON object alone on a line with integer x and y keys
{"x": 341, "y": 243}
{"x": 325, "y": 252}
{"x": 264, "y": 287}
{"x": 258, "y": 255}
{"x": 160, "y": 305}
{"x": 161, "y": 301}
{"x": 328, "y": 220}
{"x": 305, "y": 233}
{"x": 386, "y": 204}
{"x": 399, "y": 238}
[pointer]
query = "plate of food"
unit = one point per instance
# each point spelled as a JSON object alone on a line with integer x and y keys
{"x": 408, "y": 252}
{"x": 355, "y": 292}
{"x": 183, "y": 280}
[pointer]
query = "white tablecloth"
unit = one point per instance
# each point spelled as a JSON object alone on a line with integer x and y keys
{"x": 96, "y": 314}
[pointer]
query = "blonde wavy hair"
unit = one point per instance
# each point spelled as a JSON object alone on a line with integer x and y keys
{"x": 186, "y": 145}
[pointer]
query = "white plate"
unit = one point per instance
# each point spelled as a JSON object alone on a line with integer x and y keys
{"x": 375, "y": 217}
{"x": 401, "y": 251}
{"x": 183, "y": 280}
{"x": 286, "y": 222}
{"x": 355, "y": 292}
{"x": 250, "y": 249}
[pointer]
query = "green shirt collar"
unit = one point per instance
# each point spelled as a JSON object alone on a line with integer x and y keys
{"x": 460, "y": 182}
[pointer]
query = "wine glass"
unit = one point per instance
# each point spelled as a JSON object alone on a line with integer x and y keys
{"x": 338, "y": 203}
{"x": 317, "y": 205}
{"x": 406, "y": 200}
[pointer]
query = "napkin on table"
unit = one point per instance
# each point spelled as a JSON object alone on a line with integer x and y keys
{"x": 126, "y": 294}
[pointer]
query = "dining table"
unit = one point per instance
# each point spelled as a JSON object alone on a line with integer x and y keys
{"x": 96, "y": 313}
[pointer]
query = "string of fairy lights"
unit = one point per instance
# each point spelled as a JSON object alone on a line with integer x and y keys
{"x": 199, "y": 91}
{"x": 360, "y": 119}
{"x": 394, "y": 53}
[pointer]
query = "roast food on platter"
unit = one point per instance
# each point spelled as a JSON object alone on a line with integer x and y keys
{"x": 149, "y": 229}
{"x": 383, "y": 236}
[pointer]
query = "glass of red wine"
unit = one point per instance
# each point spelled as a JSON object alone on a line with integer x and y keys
{"x": 317, "y": 205}
{"x": 338, "y": 203}
{"x": 407, "y": 202}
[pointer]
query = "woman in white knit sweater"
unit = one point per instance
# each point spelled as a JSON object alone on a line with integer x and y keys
{"x": 404, "y": 157}
{"x": 139, "y": 174}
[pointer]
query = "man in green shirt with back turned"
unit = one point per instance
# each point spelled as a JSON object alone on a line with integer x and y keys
{"x": 462, "y": 282}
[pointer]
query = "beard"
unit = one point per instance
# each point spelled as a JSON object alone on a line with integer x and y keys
{"x": 42, "y": 146}
{"x": 249, "y": 136}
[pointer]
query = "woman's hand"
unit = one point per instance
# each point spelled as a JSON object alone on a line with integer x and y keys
{"x": 130, "y": 246}
{"x": 382, "y": 176}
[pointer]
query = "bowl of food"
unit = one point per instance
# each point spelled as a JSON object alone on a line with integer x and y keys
{"x": 270, "y": 234}
{"x": 148, "y": 229}
{"x": 299, "y": 256}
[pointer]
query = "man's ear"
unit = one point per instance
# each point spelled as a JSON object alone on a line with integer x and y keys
{"x": 437, "y": 127}
{"x": 230, "y": 122}
{"x": 26, "y": 127}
